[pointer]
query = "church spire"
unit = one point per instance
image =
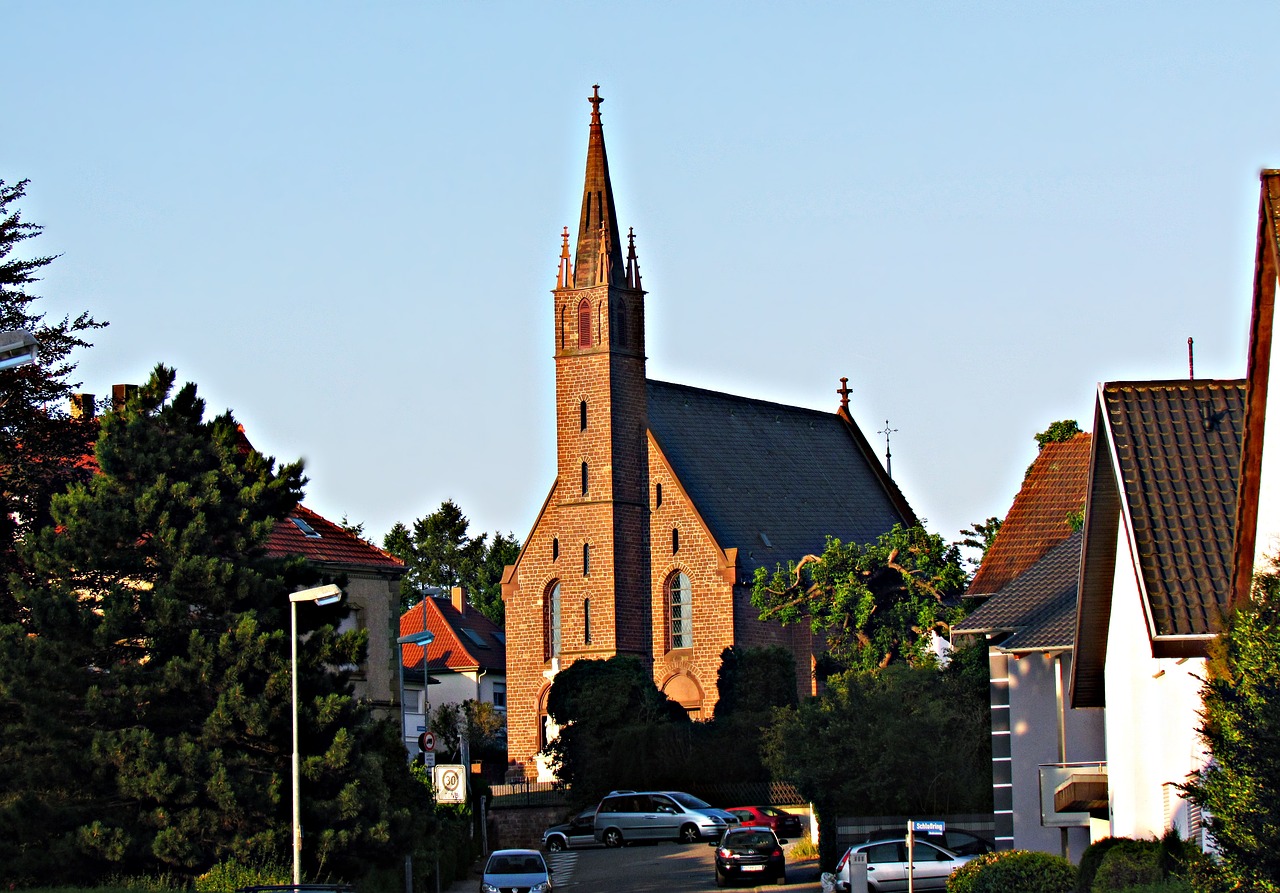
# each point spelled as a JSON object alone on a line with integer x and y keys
{"x": 599, "y": 251}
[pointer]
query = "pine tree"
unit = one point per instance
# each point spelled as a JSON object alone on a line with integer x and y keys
{"x": 174, "y": 627}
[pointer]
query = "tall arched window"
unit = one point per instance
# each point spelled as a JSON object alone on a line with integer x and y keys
{"x": 675, "y": 540}
{"x": 555, "y": 548}
{"x": 680, "y": 610}
{"x": 586, "y": 559}
{"x": 657, "y": 494}
{"x": 582, "y": 415}
{"x": 584, "y": 478}
{"x": 551, "y": 630}
{"x": 586, "y": 621}
{"x": 584, "y": 323}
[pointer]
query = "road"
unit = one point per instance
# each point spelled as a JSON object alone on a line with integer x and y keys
{"x": 657, "y": 868}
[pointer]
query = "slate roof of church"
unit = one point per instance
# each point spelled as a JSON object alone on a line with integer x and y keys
{"x": 1038, "y": 608}
{"x": 1037, "y": 521}
{"x": 771, "y": 480}
{"x": 463, "y": 641}
{"x": 1177, "y": 446}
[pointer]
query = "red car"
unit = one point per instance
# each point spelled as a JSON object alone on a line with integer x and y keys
{"x": 783, "y": 824}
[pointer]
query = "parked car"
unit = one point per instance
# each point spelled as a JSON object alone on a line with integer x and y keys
{"x": 783, "y": 824}
{"x": 577, "y": 832}
{"x": 516, "y": 869}
{"x": 751, "y": 854}
{"x": 965, "y": 843}
{"x": 887, "y": 866}
{"x": 658, "y": 815}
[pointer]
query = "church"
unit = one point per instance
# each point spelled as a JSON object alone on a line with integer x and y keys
{"x": 666, "y": 498}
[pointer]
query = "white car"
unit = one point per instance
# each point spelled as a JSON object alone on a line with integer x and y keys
{"x": 516, "y": 869}
{"x": 887, "y": 866}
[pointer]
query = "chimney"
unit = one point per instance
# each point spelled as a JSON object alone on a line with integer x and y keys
{"x": 459, "y": 597}
{"x": 82, "y": 407}
{"x": 120, "y": 393}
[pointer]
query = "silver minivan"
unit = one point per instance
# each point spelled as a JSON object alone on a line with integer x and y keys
{"x": 628, "y": 816}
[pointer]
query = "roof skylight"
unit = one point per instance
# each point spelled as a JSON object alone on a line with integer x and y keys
{"x": 307, "y": 530}
{"x": 474, "y": 637}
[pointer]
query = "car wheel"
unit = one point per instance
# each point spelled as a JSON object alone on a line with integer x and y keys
{"x": 555, "y": 844}
{"x": 613, "y": 838}
{"x": 721, "y": 880}
{"x": 781, "y": 879}
{"x": 689, "y": 834}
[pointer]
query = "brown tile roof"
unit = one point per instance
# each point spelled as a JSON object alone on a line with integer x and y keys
{"x": 1037, "y": 520}
{"x": 331, "y": 544}
{"x": 469, "y": 641}
{"x": 1177, "y": 447}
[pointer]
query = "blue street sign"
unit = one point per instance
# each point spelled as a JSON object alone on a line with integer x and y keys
{"x": 928, "y": 826}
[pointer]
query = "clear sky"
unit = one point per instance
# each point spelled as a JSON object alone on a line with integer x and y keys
{"x": 342, "y": 219}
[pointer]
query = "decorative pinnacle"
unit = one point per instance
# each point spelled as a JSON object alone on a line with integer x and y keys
{"x": 564, "y": 276}
{"x": 844, "y": 393}
{"x": 595, "y": 101}
{"x": 633, "y": 263}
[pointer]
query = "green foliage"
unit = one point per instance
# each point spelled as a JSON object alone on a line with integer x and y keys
{"x": 230, "y": 875}
{"x": 1128, "y": 864}
{"x": 616, "y": 729}
{"x": 980, "y": 536}
{"x": 485, "y": 728}
{"x": 1014, "y": 871}
{"x": 755, "y": 680}
{"x": 893, "y": 720}
{"x": 1093, "y": 855}
{"x": 438, "y": 552}
{"x": 876, "y": 604}
{"x": 1058, "y": 432}
{"x": 1239, "y": 788}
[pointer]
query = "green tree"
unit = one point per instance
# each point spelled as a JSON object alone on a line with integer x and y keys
{"x": 755, "y": 680}
{"x": 980, "y": 535}
{"x": 1058, "y": 432}
{"x": 1239, "y": 789}
{"x": 41, "y": 447}
{"x": 926, "y": 733}
{"x": 172, "y": 623}
{"x": 438, "y": 552}
{"x": 616, "y": 728}
{"x": 876, "y": 604}
{"x": 484, "y": 725}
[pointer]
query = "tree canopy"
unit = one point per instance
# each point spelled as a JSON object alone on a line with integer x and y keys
{"x": 439, "y": 552}
{"x": 876, "y": 604}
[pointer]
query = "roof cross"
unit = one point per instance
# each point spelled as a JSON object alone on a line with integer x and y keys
{"x": 888, "y": 456}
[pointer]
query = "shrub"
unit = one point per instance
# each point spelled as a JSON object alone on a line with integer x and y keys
{"x": 1014, "y": 871}
{"x": 1130, "y": 863}
{"x": 230, "y": 875}
{"x": 1092, "y": 858}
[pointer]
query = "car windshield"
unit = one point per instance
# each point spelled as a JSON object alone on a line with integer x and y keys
{"x": 518, "y": 863}
{"x": 769, "y": 811}
{"x": 748, "y": 839}
{"x": 690, "y": 801}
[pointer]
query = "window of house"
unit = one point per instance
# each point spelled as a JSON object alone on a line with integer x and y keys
{"x": 500, "y": 695}
{"x": 586, "y": 559}
{"x": 680, "y": 603}
{"x": 584, "y": 323}
{"x": 552, "y": 620}
{"x": 307, "y": 530}
{"x": 582, "y": 416}
{"x": 586, "y": 621}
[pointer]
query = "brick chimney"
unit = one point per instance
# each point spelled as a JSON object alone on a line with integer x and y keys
{"x": 82, "y": 406}
{"x": 120, "y": 393}
{"x": 459, "y": 597}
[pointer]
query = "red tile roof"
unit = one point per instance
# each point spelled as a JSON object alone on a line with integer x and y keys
{"x": 469, "y": 641}
{"x": 1037, "y": 521}
{"x": 333, "y": 545}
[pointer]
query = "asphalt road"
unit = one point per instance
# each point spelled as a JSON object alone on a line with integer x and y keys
{"x": 656, "y": 868}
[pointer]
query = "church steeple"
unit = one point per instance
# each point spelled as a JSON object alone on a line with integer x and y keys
{"x": 599, "y": 252}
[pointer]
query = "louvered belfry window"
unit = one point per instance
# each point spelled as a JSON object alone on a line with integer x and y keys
{"x": 584, "y": 323}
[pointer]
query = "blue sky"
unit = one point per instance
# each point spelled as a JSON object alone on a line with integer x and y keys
{"x": 342, "y": 220}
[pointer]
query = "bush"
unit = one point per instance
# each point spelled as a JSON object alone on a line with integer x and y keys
{"x": 1014, "y": 871}
{"x": 1130, "y": 863}
{"x": 1092, "y": 858}
{"x": 230, "y": 875}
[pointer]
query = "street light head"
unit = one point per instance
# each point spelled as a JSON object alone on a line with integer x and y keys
{"x": 423, "y": 638}
{"x": 321, "y": 595}
{"x": 17, "y": 348}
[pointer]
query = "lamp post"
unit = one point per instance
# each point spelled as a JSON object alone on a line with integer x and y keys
{"x": 321, "y": 595}
{"x": 421, "y": 639}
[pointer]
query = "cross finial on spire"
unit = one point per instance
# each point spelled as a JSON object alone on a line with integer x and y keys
{"x": 844, "y": 393}
{"x": 888, "y": 455}
{"x": 564, "y": 276}
{"x": 633, "y": 263}
{"x": 595, "y": 101}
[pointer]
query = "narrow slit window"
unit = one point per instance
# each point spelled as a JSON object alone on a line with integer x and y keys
{"x": 586, "y": 559}
{"x": 552, "y": 621}
{"x": 584, "y": 478}
{"x": 582, "y": 416}
{"x": 586, "y": 621}
{"x": 675, "y": 540}
{"x": 657, "y": 494}
{"x": 555, "y": 548}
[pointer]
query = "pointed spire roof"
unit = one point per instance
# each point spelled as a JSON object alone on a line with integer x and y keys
{"x": 599, "y": 245}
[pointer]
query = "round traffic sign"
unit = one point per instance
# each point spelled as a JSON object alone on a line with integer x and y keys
{"x": 426, "y": 742}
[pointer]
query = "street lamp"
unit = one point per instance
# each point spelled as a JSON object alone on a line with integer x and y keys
{"x": 17, "y": 348}
{"x": 422, "y": 640}
{"x": 321, "y": 595}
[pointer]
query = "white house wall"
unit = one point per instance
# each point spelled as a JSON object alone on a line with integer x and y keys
{"x": 1151, "y": 718}
{"x": 1268, "y": 542}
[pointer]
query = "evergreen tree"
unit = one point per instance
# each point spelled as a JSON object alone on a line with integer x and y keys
{"x": 173, "y": 627}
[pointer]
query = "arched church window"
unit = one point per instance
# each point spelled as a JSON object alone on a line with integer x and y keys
{"x": 680, "y": 610}
{"x": 555, "y": 548}
{"x": 551, "y": 621}
{"x": 586, "y": 621}
{"x": 582, "y": 415}
{"x": 584, "y": 323}
{"x": 586, "y": 559}
{"x": 657, "y": 495}
{"x": 675, "y": 540}
{"x": 584, "y": 478}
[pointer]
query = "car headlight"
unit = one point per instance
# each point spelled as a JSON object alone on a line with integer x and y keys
{"x": 488, "y": 888}
{"x": 540, "y": 888}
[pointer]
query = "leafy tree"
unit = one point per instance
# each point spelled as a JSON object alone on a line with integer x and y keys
{"x": 1058, "y": 432}
{"x": 616, "y": 728}
{"x": 980, "y": 536}
{"x": 172, "y": 624}
{"x": 438, "y": 552}
{"x": 753, "y": 681}
{"x": 926, "y": 733}
{"x": 1240, "y": 787}
{"x": 41, "y": 447}
{"x": 484, "y": 725}
{"x": 876, "y": 604}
